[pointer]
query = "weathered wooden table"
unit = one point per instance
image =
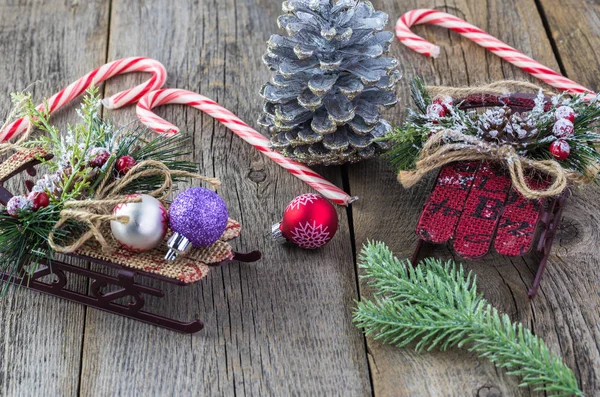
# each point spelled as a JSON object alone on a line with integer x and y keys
{"x": 283, "y": 326}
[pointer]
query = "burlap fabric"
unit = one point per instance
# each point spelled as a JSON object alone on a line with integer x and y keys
{"x": 12, "y": 164}
{"x": 188, "y": 268}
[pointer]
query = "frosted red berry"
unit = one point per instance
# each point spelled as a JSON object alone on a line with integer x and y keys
{"x": 17, "y": 205}
{"x": 563, "y": 128}
{"x": 445, "y": 102}
{"x": 436, "y": 111}
{"x": 98, "y": 157}
{"x": 564, "y": 113}
{"x": 560, "y": 149}
{"x": 124, "y": 164}
{"x": 38, "y": 200}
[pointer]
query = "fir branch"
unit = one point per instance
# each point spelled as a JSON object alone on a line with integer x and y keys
{"x": 167, "y": 149}
{"x": 419, "y": 94}
{"x": 24, "y": 242}
{"x": 437, "y": 305}
{"x": 406, "y": 145}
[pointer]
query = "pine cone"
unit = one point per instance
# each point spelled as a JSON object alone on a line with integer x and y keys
{"x": 521, "y": 129}
{"x": 322, "y": 105}
{"x": 492, "y": 123}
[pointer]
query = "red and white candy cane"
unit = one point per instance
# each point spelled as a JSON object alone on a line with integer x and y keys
{"x": 120, "y": 66}
{"x": 243, "y": 130}
{"x": 480, "y": 37}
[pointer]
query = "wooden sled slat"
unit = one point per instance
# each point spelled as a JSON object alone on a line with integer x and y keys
{"x": 445, "y": 204}
{"x": 483, "y": 208}
{"x": 518, "y": 223}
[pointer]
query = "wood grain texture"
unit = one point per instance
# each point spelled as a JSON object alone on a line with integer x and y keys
{"x": 554, "y": 315}
{"x": 573, "y": 27}
{"x": 41, "y": 336}
{"x": 281, "y": 326}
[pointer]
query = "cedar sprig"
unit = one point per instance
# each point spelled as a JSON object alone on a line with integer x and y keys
{"x": 436, "y": 304}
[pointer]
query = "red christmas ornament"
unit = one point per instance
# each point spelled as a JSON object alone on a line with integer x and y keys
{"x": 38, "y": 200}
{"x": 560, "y": 149}
{"x": 564, "y": 112}
{"x": 309, "y": 221}
{"x": 124, "y": 164}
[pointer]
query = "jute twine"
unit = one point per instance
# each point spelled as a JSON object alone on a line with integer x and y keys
{"x": 448, "y": 146}
{"x": 497, "y": 87}
{"x": 94, "y": 212}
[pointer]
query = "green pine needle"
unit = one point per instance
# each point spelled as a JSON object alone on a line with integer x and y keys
{"x": 436, "y": 304}
{"x": 419, "y": 94}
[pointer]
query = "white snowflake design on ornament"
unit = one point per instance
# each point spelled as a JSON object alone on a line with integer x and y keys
{"x": 310, "y": 236}
{"x": 302, "y": 200}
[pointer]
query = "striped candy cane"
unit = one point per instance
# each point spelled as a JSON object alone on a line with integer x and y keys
{"x": 120, "y": 66}
{"x": 480, "y": 37}
{"x": 244, "y": 131}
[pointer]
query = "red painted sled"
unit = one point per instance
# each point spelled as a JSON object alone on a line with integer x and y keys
{"x": 184, "y": 272}
{"x": 474, "y": 208}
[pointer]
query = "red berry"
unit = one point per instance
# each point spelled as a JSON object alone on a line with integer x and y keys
{"x": 445, "y": 102}
{"x": 124, "y": 164}
{"x": 560, "y": 149}
{"x": 18, "y": 205}
{"x": 563, "y": 128}
{"x": 38, "y": 200}
{"x": 564, "y": 112}
{"x": 436, "y": 111}
{"x": 98, "y": 157}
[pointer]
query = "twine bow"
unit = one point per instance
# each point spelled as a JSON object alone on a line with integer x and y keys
{"x": 449, "y": 146}
{"x": 93, "y": 213}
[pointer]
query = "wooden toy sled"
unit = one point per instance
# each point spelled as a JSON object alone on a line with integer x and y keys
{"x": 129, "y": 266}
{"x": 474, "y": 208}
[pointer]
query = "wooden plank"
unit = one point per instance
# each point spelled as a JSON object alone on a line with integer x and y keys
{"x": 572, "y": 273}
{"x": 389, "y": 213}
{"x": 279, "y": 327}
{"x": 54, "y": 43}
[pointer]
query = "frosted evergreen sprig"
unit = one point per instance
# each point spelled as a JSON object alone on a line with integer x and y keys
{"x": 436, "y": 304}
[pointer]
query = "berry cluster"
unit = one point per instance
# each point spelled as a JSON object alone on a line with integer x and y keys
{"x": 564, "y": 117}
{"x": 49, "y": 187}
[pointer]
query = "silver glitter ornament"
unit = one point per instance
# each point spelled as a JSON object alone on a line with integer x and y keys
{"x": 147, "y": 226}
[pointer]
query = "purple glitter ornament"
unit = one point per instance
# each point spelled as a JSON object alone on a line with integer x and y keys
{"x": 198, "y": 217}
